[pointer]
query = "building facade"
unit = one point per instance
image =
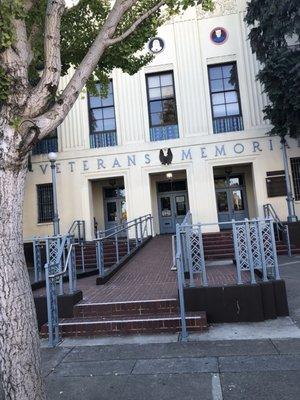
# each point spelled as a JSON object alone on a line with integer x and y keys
{"x": 185, "y": 133}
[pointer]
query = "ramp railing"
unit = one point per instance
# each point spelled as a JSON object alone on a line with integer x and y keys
{"x": 254, "y": 249}
{"x": 122, "y": 240}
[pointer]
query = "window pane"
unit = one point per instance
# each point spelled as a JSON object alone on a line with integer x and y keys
{"x": 153, "y": 81}
{"x": 222, "y": 202}
{"x": 155, "y": 106}
{"x": 169, "y": 113}
{"x": 165, "y": 206}
{"x": 228, "y": 85}
{"x": 218, "y": 98}
{"x": 166, "y": 80}
{"x": 96, "y": 114}
{"x": 226, "y": 69}
{"x": 180, "y": 205}
{"x": 109, "y": 124}
{"x": 108, "y": 101}
{"x": 216, "y": 85}
{"x": 237, "y": 199}
{"x": 231, "y": 97}
{"x": 98, "y": 125}
{"x": 219, "y": 111}
{"x": 215, "y": 72}
{"x": 220, "y": 182}
{"x": 233, "y": 109}
{"x": 111, "y": 208}
{"x": 95, "y": 102}
{"x": 154, "y": 94}
{"x": 156, "y": 119}
{"x": 167, "y": 91}
{"x": 108, "y": 112}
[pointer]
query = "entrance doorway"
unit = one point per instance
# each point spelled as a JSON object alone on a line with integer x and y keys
{"x": 173, "y": 205}
{"x": 231, "y": 197}
{"x": 115, "y": 211}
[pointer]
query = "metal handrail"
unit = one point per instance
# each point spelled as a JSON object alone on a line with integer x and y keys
{"x": 140, "y": 226}
{"x": 76, "y": 224}
{"x": 121, "y": 227}
{"x": 269, "y": 211}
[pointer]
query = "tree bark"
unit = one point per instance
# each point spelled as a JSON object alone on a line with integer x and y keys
{"x": 19, "y": 341}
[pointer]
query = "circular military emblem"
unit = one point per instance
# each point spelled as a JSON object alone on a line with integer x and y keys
{"x": 219, "y": 35}
{"x": 156, "y": 45}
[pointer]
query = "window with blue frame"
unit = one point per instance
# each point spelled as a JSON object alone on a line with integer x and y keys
{"x": 47, "y": 145}
{"x": 162, "y": 106}
{"x": 102, "y": 117}
{"x": 225, "y": 98}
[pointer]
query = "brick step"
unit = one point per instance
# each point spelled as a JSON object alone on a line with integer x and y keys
{"x": 218, "y": 250}
{"x": 168, "y": 306}
{"x": 217, "y": 241}
{"x": 108, "y": 257}
{"x": 157, "y": 323}
{"x": 229, "y": 255}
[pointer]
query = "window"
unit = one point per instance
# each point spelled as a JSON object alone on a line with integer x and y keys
{"x": 225, "y": 98}
{"x": 102, "y": 119}
{"x": 47, "y": 145}
{"x": 295, "y": 166}
{"x": 162, "y": 106}
{"x": 45, "y": 202}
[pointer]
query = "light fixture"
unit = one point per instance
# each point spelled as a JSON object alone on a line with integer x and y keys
{"x": 169, "y": 175}
{"x": 52, "y": 156}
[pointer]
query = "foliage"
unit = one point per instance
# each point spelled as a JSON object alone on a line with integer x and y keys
{"x": 79, "y": 27}
{"x": 274, "y": 38}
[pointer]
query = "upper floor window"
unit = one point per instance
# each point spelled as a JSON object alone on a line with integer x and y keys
{"x": 47, "y": 145}
{"x": 45, "y": 202}
{"x": 295, "y": 166}
{"x": 162, "y": 106}
{"x": 102, "y": 119}
{"x": 225, "y": 98}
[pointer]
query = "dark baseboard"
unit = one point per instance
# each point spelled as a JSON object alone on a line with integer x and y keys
{"x": 239, "y": 303}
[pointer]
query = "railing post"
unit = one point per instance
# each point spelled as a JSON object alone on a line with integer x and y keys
{"x": 249, "y": 250}
{"x": 180, "y": 275}
{"x": 128, "y": 240}
{"x": 37, "y": 260}
{"x": 277, "y": 276}
{"x": 136, "y": 232}
{"x": 202, "y": 259}
{"x": 237, "y": 253}
{"x": 151, "y": 226}
{"x": 52, "y": 308}
{"x": 82, "y": 257}
{"x": 262, "y": 250}
{"x": 141, "y": 228}
{"x": 117, "y": 247}
{"x": 100, "y": 259}
{"x": 188, "y": 233}
{"x": 288, "y": 242}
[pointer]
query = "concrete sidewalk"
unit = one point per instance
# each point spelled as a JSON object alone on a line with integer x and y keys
{"x": 206, "y": 370}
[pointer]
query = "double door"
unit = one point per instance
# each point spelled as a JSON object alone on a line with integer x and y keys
{"x": 232, "y": 200}
{"x": 172, "y": 208}
{"x": 115, "y": 210}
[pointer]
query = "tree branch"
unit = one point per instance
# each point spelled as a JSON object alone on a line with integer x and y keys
{"x": 136, "y": 24}
{"x": 49, "y": 81}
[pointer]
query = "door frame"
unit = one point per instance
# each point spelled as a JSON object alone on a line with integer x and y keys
{"x": 229, "y": 190}
{"x": 172, "y": 195}
{"x": 117, "y": 199}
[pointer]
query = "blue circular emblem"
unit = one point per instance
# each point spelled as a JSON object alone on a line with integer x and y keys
{"x": 219, "y": 35}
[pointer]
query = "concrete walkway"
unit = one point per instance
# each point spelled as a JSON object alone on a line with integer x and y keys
{"x": 214, "y": 370}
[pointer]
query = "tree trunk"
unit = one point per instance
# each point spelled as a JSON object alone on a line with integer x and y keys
{"x": 21, "y": 373}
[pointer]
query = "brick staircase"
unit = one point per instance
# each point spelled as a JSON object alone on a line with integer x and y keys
{"x": 219, "y": 246}
{"x": 109, "y": 249}
{"x": 153, "y": 316}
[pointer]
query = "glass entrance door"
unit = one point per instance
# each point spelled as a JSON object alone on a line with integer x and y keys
{"x": 231, "y": 198}
{"x": 115, "y": 210}
{"x": 172, "y": 208}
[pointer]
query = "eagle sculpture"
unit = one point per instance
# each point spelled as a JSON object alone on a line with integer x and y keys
{"x": 165, "y": 156}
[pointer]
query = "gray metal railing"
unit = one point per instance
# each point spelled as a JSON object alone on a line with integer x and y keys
{"x": 281, "y": 229}
{"x": 254, "y": 248}
{"x": 59, "y": 264}
{"x": 123, "y": 239}
{"x": 44, "y": 246}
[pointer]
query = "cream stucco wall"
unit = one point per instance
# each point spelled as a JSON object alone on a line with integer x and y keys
{"x": 188, "y": 51}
